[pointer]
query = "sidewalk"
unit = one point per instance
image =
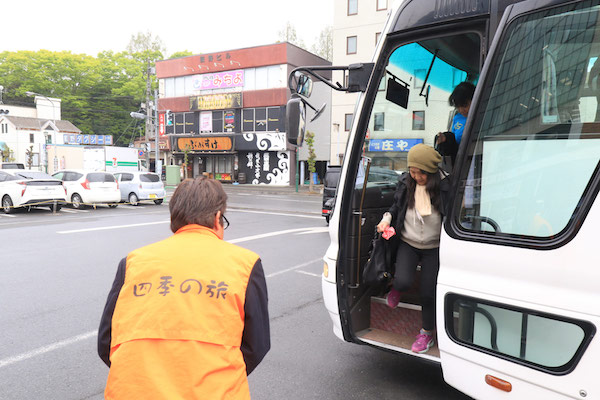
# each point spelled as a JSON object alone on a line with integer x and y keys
{"x": 268, "y": 189}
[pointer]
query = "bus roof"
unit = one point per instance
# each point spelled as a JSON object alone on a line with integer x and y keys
{"x": 417, "y": 13}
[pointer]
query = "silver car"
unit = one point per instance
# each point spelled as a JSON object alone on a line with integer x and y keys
{"x": 137, "y": 186}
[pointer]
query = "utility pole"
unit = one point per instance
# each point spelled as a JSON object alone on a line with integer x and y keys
{"x": 157, "y": 160}
{"x": 148, "y": 114}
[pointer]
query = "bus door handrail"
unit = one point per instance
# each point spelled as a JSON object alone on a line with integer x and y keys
{"x": 356, "y": 283}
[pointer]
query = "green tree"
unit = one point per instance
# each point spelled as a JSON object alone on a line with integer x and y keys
{"x": 5, "y": 153}
{"x": 288, "y": 34}
{"x": 178, "y": 54}
{"x": 324, "y": 44}
{"x": 29, "y": 154}
{"x": 309, "y": 138}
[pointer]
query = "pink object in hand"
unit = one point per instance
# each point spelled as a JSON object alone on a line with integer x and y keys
{"x": 388, "y": 232}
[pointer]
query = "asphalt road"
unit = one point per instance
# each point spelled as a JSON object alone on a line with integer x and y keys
{"x": 57, "y": 270}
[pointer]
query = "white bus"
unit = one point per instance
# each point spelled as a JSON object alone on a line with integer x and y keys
{"x": 518, "y": 291}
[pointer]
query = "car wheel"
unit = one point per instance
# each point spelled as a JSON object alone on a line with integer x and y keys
{"x": 133, "y": 199}
{"x": 158, "y": 202}
{"x": 76, "y": 201}
{"x": 113, "y": 205}
{"x": 327, "y": 219}
{"x": 7, "y": 205}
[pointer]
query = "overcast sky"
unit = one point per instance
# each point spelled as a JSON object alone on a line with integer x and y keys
{"x": 201, "y": 26}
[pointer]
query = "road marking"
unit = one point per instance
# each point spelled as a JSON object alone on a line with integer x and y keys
{"x": 273, "y": 213}
{"x": 74, "y": 211}
{"x": 45, "y": 349}
{"x": 309, "y": 273}
{"x": 276, "y": 233}
{"x": 104, "y": 228}
{"x": 7, "y": 215}
{"x": 306, "y": 264}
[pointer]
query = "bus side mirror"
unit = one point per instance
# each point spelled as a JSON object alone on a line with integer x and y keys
{"x": 296, "y": 120}
{"x": 305, "y": 85}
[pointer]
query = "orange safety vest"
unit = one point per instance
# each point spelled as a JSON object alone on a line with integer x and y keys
{"x": 179, "y": 319}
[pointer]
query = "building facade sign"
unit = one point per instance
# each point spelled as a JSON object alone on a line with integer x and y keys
{"x": 205, "y": 144}
{"x": 268, "y": 167}
{"x": 219, "y": 80}
{"x": 88, "y": 139}
{"x": 402, "y": 145}
{"x": 216, "y": 101}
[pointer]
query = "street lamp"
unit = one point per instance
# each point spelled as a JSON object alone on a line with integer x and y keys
{"x": 30, "y": 94}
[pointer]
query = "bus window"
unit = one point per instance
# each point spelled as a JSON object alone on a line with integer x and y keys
{"x": 411, "y": 105}
{"x": 535, "y": 143}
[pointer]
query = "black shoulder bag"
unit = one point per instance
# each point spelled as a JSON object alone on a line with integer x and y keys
{"x": 377, "y": 269}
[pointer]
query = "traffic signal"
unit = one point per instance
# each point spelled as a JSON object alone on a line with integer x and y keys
{"x": 169, "y": 117}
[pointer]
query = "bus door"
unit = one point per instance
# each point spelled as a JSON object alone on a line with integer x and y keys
{"x": 519, "y": 274}
{"x": 409, "y": 106}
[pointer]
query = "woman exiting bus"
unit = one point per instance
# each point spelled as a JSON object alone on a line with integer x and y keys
{"x": 416, "y": 216}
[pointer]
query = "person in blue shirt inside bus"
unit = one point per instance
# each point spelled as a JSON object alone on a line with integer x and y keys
{"x": 447, "y": 142}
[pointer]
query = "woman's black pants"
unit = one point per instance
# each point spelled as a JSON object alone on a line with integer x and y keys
{"x": 407, "y": 259}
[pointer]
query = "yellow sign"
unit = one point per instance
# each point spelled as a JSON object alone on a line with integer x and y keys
{"x": 219, "y": 143}
{"x": 216, "y": 101}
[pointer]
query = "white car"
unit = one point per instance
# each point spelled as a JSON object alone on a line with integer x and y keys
{"x": 23, "y": 188}
{"x": 136, "y": 186}
{"x": 90, "y": 187}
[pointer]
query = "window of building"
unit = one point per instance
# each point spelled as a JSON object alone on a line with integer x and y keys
{"x": 248, "y": 120}
{"x": 273, "y": 119}
{"x": 351, "y": 45}
{"x": 217, "y": 121}
{"x": 180, "y": 86}
{"x": 347, "y": 122}
{"x": 179, "y": 123}
{"x": 352, "y": 7}
{"x": 381, "y": 5}
{"x": 418, "y": 121}
{"x": 274, "y": 77}
{"x": 377, "y": 36}
{"x": 4, "y": 128}
{"x": 260, "y": 119}
{"x": 250, "y": 79}
{"x": 420, "y": 77}
{"x": 31, "y": 138}
{"x": 190, "y": 124}
{"x": 379, "y": 121}
{"x": 262, "y": 78}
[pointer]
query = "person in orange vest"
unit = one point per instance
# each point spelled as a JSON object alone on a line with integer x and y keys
{"x": 186, "y": 317}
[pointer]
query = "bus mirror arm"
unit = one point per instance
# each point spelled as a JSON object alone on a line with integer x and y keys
{"x": 358, "y": 77}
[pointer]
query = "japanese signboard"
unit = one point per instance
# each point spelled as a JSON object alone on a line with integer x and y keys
{"x": 161, "y": 124}
{"x": 402, "y": 145}
{"x": 209, "y": 144}
{"x": 219, "y": 80}
{"x": 87, "y": 139}
{"x": 218, "y": 57}
{"x": 206, "y": 122}
{"x": 265, "y": 167}
{"x": 216, "y": 101}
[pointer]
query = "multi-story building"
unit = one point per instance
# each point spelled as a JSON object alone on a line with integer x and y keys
{"x": 357, "y": 26}
{"x": 26, "y": 130}
{"x": 224, "y": 113}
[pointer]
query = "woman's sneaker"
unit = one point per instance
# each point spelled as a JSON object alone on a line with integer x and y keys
{"x": 423, "y": 343}
{"x": 393, "y": 298}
